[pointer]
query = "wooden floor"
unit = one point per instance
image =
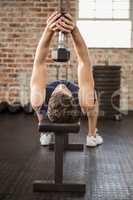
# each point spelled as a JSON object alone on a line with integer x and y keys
{"x": 106, "y": 169}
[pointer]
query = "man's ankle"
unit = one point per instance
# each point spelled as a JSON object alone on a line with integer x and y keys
{"x": 90, "y": 135}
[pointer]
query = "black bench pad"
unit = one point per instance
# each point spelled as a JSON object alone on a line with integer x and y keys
{"x": 48, "y": 126}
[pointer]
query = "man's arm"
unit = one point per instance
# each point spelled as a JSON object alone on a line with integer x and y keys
{"x": 81, "y": 48}
{"x": 85, "y": 76}
{"x": 39, "y": 73}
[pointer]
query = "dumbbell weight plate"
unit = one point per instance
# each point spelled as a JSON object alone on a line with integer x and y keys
{"x": 60, "y": 55}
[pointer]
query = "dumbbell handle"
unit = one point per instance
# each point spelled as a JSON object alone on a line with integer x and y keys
{"x": 61, "y": 39}
{"x": 63, "y": 8}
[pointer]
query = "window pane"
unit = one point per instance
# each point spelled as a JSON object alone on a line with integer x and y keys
{"x": 103, "y": 8}
{"x": 87, "y": 9}
{"x": 106, "y": 13}
{"x": 121, "y": 14}
{"x": 87, "y": 13}
{"x": 103, "y": 4}
{"x": 121, "y": 5}
{"x": 106, "y": 33}
{"x": 91, "y": 5}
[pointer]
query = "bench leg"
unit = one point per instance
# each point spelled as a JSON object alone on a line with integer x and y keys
{"x": 45, "y": 186}
{"x": 59, "y": 149}
{"x": 58, "y": 185}
{"x": 67, "y": 146}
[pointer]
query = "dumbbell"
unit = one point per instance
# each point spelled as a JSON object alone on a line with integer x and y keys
{"x": 61, "y": 53}
{"x": 3, "y": 106}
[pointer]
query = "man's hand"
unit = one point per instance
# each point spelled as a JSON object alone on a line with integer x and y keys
{"x": 52, "y": 21}
{"x": 65, "y": 23}
{"x": 59, "y": 22}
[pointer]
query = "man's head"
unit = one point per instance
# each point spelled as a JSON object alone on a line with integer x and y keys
{"x": 61, "y": 88}
{"x": 61, "y": 106}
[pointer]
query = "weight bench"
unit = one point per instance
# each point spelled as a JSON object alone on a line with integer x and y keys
{"x": 61, "y": 132}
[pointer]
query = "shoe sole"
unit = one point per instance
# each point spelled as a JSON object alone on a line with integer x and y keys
{"x": 91, "y": 146}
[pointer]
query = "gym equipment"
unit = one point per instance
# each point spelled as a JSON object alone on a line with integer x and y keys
{"x": 61, "y": 53}
{"x": 3, "y": 106}
{"x": 107, "y": 82}
{"x": 61, "y": 132}
{"x": 14, "y": 108}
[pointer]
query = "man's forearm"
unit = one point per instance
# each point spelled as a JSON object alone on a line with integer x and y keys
{"x": 85, "y": 75}
{"x": 39, "y": 73}
{"x": 43, "y": 46}
{"x": 80, "y": 47}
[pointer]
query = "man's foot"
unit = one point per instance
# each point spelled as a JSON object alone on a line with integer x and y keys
{"x": 45, "y": 139}
{"x": 99, "y": 139}
{"x": 94, "y": 141}
{"x": 91, "y": 141}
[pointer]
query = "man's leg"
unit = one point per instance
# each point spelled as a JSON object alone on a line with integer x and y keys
{"x": 93, "y": 139}
{"x": 45, "y": 137}
{"x": 92, "y": 122}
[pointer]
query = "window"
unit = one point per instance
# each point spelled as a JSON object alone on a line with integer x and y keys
{"x": 105, "y": 23}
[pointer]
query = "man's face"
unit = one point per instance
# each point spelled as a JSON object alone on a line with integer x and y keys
{"x": 63, "y": 89}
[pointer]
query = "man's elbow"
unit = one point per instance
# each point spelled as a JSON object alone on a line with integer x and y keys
{"x": 35, "y": 104}
{"x": 36, "y": 100}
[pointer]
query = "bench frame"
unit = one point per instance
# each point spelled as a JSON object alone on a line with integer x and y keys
{"x": 61, "y": 144}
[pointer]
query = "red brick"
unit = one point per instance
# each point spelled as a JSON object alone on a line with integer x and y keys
{"x": 42, "y": 5}
{"x": 8, "y": 60}
{"x": 3, "y": 55}
{"x": 7, "y": 50}
{"x": 35, "y": 9}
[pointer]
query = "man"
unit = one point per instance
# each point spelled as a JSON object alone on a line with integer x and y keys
{"x": 61, "y": 103}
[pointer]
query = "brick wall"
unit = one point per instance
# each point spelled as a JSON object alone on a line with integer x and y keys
{"x": 21, "y": 25}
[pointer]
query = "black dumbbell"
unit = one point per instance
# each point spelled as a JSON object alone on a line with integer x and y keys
{"x": 15, "y": 107}
{"x": 61, "y": 53}
{"x": 3, "y": 106}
